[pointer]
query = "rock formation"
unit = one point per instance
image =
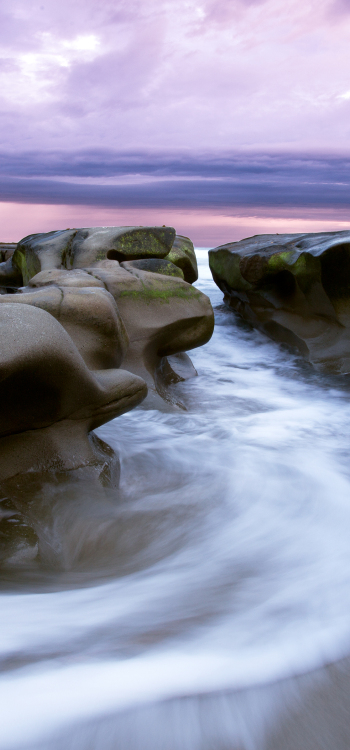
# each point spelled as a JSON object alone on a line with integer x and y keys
{"x": 50, "y": 399}
{"x": 295, "y": 288}
{"x": 75, "y": 306}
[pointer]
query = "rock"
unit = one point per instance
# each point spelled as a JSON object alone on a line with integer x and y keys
{"x": 50, "y": 400}
{"x": 176, "y": 368}
{"x": 10, "y": 276}
{"x": 162, "y": 315}
{"x": 81, "y": 316}
{"x": 6, "y": 250}
{"x": 77, "y": 278}
{"x": 131, "y": 313}
{"x": 182, "y": 255}
{"x": 295, "y": 288}
{"x": 76, "y": 248}
{"x": 89, "y": 314}
{"x": 153, "y": 265}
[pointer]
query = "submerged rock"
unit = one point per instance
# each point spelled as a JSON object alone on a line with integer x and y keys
{"x": 295, "y": 288}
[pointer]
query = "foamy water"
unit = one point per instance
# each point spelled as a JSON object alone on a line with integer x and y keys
{"x": 221, "y": 566}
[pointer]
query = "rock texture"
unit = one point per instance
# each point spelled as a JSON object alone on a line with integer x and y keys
{"x": 128, "y": 306}
{"x": 75, "y": 306}
{"x": 296, "y": 288}
{"x": 50, "y": 399}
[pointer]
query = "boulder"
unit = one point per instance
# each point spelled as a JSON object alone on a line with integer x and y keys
{"x": 129, "y": 306}
{"x": 76, "y": 248}
{"x": 94, "y": 301}
{"x": 50, "y": 399}
{"x": 295, "y": 288}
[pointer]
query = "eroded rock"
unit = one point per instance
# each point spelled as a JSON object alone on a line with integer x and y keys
{"x": 50, "y": 399}
{"x": 80, "y": 317}
{"x": 77, "y": 248}
{"x": 162, "y": 315}
{"x": 131, "y": 313}
{"x": 182, "y": 254}
{"x": 294, "y": 287}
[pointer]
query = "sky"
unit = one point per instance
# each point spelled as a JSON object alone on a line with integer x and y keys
{"x": 223, "y": 118}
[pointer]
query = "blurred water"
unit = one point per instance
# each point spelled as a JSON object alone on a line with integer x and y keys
{"x": 164, "y": 614}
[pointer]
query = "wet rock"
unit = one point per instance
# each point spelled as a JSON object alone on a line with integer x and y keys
{"x": 182, "y": 254}
{"x": 89, "y": 314}
{"x": 76, "y": 248}
{"x": 50, "y": 400}
{"x": 81, "y": 316}
{"x": 295, "y": 288}
{"x": 6, "y": 250}
{"x": 153, "y": 265}
{"x": 163, "y": 315}
{"x": 130, "y": 305}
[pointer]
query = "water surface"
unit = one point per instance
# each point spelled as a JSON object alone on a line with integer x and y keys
{"x": 180, "y": 612}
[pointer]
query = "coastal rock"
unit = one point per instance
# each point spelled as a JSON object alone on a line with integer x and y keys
{"x": 10, "y": 276}
{"x": 295, "y": 288}
{"x": 133, "y": 313}
{"x": 88, "y": 313}
{"x": 76, "y": 248}
{"x": 163, "y": 315}
{"x": 95, "y": 300}
{"x": 153, "y": 265}
{"x": 182, "y": 254}
{"x": 50, "y": 399}
{"x": 6, "y": 250}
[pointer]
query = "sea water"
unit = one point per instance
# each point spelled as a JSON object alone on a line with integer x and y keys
{"x": 179, "y": 612}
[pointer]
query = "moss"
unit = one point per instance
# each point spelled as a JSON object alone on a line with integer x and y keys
{"x": 145, "y": 242}
{"x": 183, "y": 256}
{"x": 157, "y": 265}
{"x": 67, "y": 254}
{"x": 101, "y": 255}
{"x": 151, "y": 294}
{"x": 278, "y": 261}
{"x": 225, "y": 265}
{"x": 26, "y": 262}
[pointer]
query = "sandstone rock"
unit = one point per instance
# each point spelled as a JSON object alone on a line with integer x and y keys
{"x": 50, "y": 400}
{"x": 153, "y": 265}
{"x": 81, "y": 316}
{"x": 133, "y": 313}
{"x": 89, "y": 314}
{"x": 59, "y": 277}
{"x": 176, "y": 368}
{"x": 182, "y": 255}
{"x": 163, "y": 316}
{"x": 296, "y": 288}
{"x": 10, "y": 276}
{"x": 6, "y": 250}
{"x": 76, "y": 248}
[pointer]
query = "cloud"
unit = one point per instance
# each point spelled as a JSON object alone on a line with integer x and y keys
{"x": 196, "y": 74}
{"x": 148, "y": 179}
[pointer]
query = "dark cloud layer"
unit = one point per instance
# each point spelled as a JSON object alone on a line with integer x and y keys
{"x": 146, "y": 179}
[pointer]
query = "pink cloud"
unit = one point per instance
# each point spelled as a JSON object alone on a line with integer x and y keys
{"x": 206, "y": 228}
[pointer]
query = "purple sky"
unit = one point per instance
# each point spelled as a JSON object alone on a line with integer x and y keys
{"x": 222, "y": 118}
